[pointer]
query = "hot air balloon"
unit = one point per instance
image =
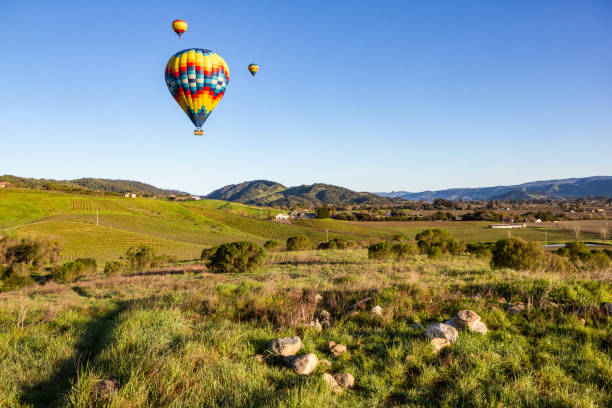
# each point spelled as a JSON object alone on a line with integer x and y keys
{"x": 179, "y": 27}
{"x": 253, "y": 68}
{"x": 197, "y": 80}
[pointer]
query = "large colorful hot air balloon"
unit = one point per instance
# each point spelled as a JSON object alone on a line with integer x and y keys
{"x": 197, "y": 80}
{"x": 179, "y": 27}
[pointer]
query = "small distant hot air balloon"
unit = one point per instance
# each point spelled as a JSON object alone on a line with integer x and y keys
{"x": 253, "y": 68}
{"x": 197, "y": 80}
{"x": 179, "y": 27}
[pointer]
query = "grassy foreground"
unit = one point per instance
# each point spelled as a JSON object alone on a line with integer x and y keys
{"x": 186, "y": 338}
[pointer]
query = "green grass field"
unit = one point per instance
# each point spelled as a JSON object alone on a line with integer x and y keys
{"x": 188, "y": 339}
{"x": 183, "y": 229}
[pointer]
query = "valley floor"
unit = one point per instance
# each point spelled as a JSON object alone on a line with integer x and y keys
{"x": 187, "y": 338}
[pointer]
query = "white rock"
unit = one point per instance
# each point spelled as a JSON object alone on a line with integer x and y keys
{"x": 332, "y": 383}
{"x": 336, "y": 349}
{"x": 377, "y": 311}
{"x": 287, "y": 346}
{"x": 438, "y": 343}
{"x": 304, "y": 364}
{"x": 442, "y": 330}
{"x": 345, "y": 380}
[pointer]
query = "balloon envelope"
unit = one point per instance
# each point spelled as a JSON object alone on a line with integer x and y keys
{"x": 179, "y": 27}
{"x": 253, "y": 68}
{"x": 197, "y": 80}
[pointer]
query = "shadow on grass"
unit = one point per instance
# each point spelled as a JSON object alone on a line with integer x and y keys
{"x": 95, "y": 337}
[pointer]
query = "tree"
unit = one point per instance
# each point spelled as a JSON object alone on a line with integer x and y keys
{"x": 237, "y": 257}
{"x": 323, "y": 212}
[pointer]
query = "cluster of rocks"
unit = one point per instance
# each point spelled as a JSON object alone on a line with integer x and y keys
{"x": 322, "y": 320}
{"x": 306, "y": 364}
{"x": 444, "y": 334}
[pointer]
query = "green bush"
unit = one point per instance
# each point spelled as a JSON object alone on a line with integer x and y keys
{"x": 271, "y": 245}
{"x": 380, "y": 250}
{"x": 34, "y": 252}
{"x": 575, "y": 251}
{"x": 434, "y": 252}
{"x": 438, "y": 238}
{"x": 237, "y": 257}
{"x": 398, "y": 237}
{"x": 336, "y": 243}
{"x": 478, "y": 249}
{"x": 299, "y": 243}
{"x": 404, "y": 250}
{"x": 141, "y": 257}
{"x": 115, "y": 268}
{"x": 90, "y": 265}
{"x": 207, "y": 253}
{"x": 69, "y": 271}
{"x": 16, "y": 275}
{"x": 598, "y": 261}
{"x": 518, "y": 254}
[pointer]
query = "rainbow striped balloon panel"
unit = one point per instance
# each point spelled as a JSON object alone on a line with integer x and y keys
{"x": 197, "y": 80}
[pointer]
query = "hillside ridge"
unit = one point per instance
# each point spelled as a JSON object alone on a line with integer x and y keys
{"x": 543, "y": 189}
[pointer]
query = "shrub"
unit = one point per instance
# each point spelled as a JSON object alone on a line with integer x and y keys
{"x": 90, "y": 265}
{"x": 598, "y": 261}
{"x": 207, "y": 253}
{"x": 434, "y": 252}
{"x": 69, "y": 271}
{"x": 336, "y": 243}
{"x": 271, "y": 245}
{"x": 17, "y": 275}
{"x": 404, "y": 250}
{"x": 398, "y": 237}
{"x": 519, "y": 254}
{"x": 575, "y": 251}
{"x": 299, "y": 243}
{"x": 237, "y": 257}
{"x": 34, "y": 252}
{"x": 380, "y": 250}
{"x": 559, "y": 264}
{"x": 115, "y": 268}
{"x": 439, "y": 238}
{"x": 141, "y": 257}
{"x": 478, "y": 249}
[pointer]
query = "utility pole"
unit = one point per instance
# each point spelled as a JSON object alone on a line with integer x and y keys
{"x": 327, "y": 234}
{"x": 97, "y": 219}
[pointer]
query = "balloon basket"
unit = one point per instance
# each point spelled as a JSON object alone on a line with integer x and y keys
{"x": 198, "y": 132}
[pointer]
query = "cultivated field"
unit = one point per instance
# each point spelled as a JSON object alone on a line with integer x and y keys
{"x": 183, "y": 229}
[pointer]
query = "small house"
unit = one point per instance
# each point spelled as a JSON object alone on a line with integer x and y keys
{"x": 282, "y": 218}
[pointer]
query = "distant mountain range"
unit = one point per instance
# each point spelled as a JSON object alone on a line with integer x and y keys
{"x": 270, "y": 193}
{"x": 89, "y": 185}
{"x": 553, "y": 189}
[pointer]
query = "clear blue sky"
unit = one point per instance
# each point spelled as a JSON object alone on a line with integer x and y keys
{"x": 374, "y": 96}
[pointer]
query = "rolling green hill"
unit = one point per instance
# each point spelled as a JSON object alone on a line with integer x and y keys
{"x": 88, "y": 186}
{"x": 270, "y": 193}
{"x": 183, "y": 229}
